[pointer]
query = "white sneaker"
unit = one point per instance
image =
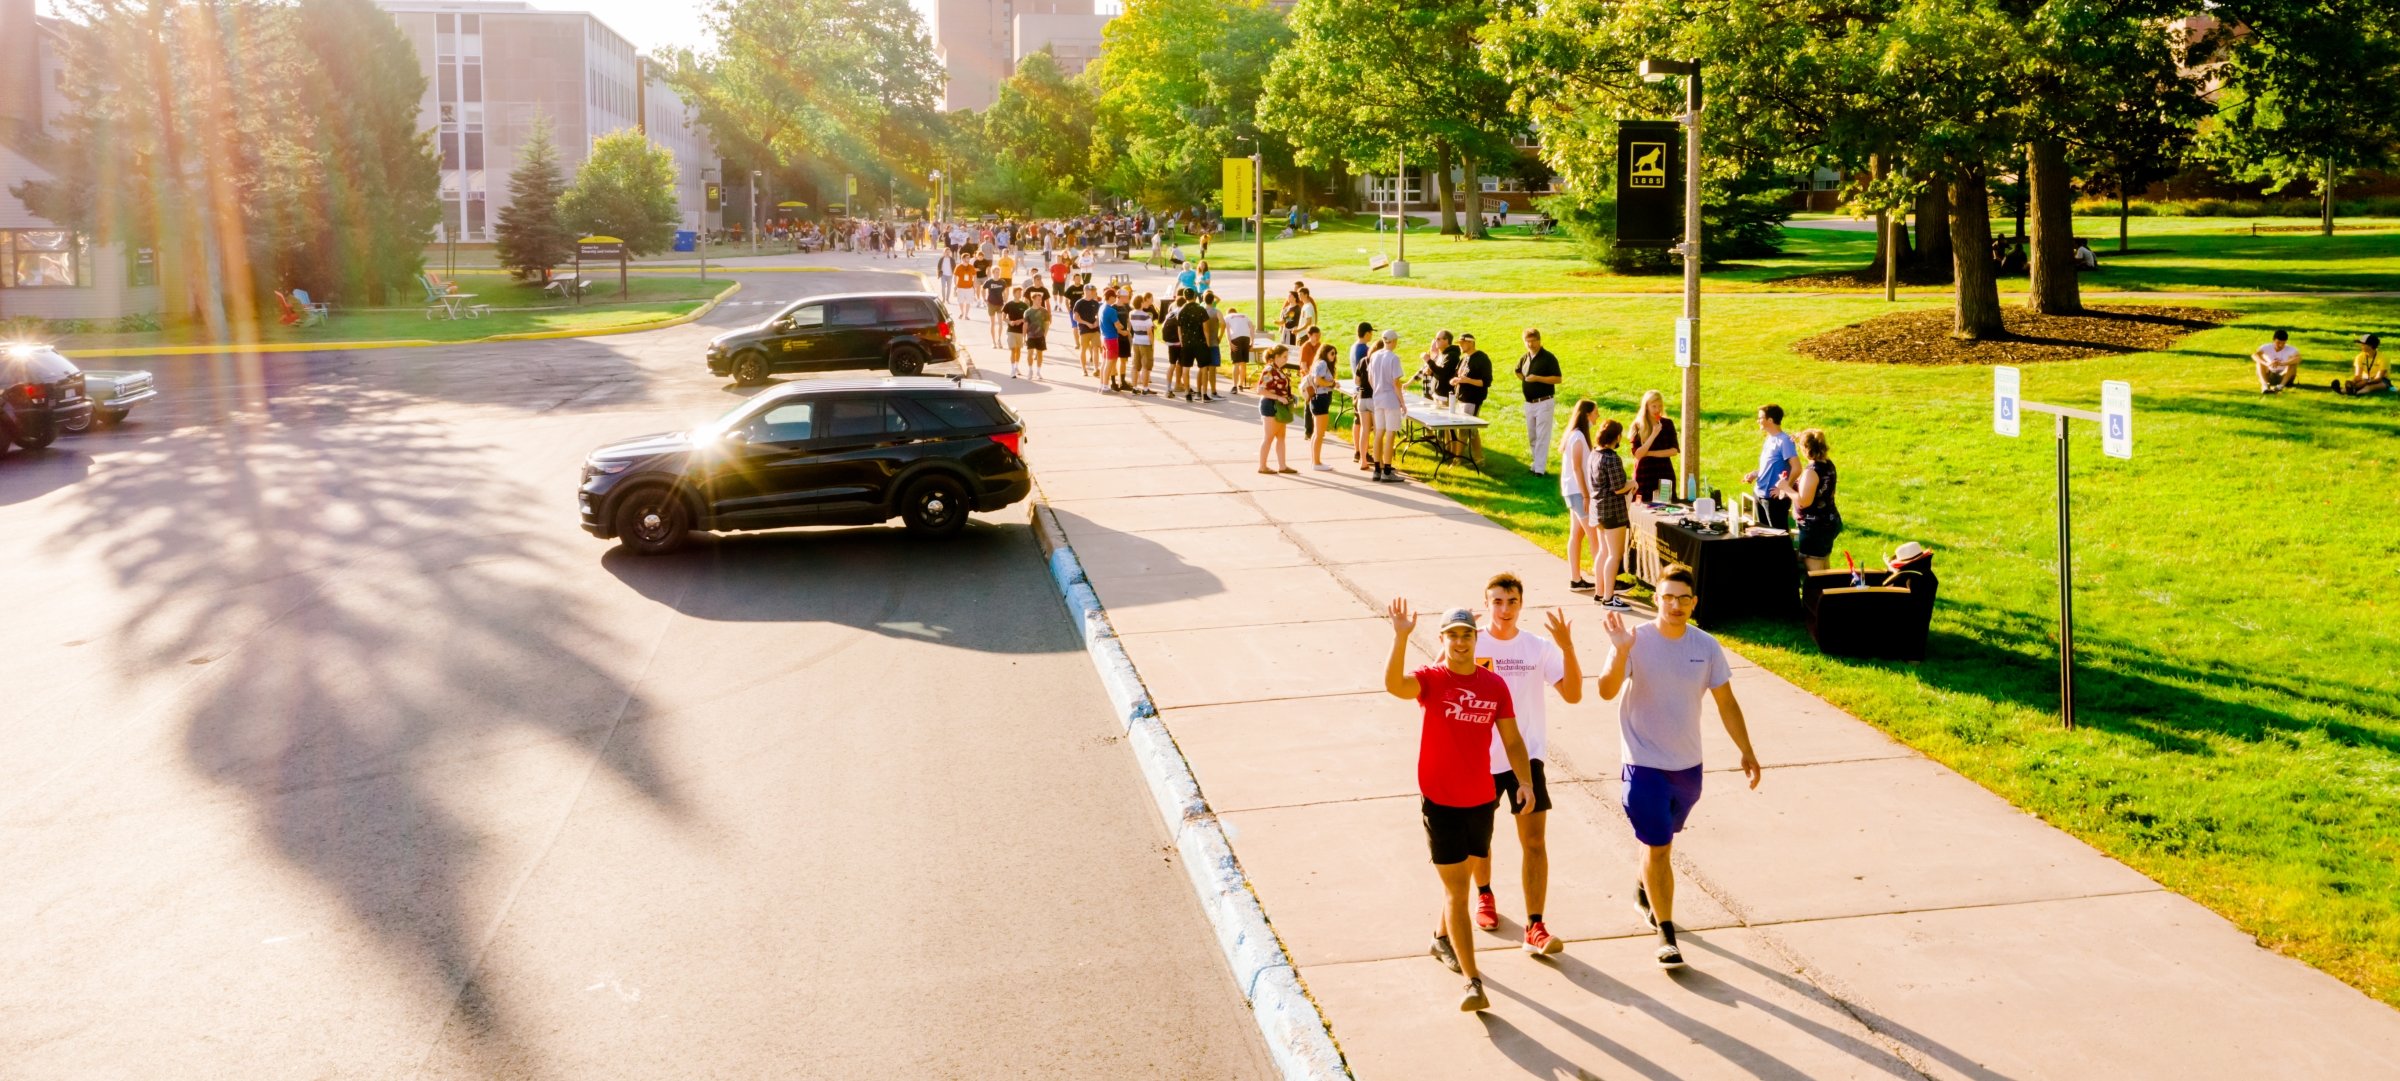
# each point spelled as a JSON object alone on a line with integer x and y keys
{"x": 1322, "y": 468}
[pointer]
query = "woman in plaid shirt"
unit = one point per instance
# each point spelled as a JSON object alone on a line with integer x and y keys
{"x": 1609, "y": 487}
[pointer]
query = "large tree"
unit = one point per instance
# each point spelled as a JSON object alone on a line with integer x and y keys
{"x": 531, "y": 238}
{"x": 376, "y": 190}
{"x": 1042, "y": 124}
{"x": 830, "y": 85}
{"x": 185, "y": 132}
{"x": 1366, "y": 80}
{"x": 2308, "y": 90}
{"x": 625, "y": 189}
{"x": 1178, "y": 84}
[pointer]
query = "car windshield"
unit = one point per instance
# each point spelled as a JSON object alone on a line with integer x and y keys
{"x": 35, "y": 365}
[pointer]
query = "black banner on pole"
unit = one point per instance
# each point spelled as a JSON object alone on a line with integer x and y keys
{"x": 1649, "y": 183}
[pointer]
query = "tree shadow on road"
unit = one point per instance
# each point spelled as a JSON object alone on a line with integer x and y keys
{"x": 370, "y": 649}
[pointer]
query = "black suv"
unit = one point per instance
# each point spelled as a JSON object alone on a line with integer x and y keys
{"x": 40, "y": 393}
{"x": 899, "y": 332}
{"x": 818, "y": 452}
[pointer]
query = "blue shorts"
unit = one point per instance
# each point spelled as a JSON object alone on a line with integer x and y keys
{"x": 1658, "y": 800}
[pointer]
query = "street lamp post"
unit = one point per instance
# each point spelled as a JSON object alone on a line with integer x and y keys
{"x": 1400, "y": 203}
{"x": 754, "y": 175}
{"x": 1258, "y": 210}
{"x": 704, "y": 190}
{"x": 1653, "y": 71}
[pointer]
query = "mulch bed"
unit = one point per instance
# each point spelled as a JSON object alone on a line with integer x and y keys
{"x": 1863, "y": 278}
{"x": 1923, "y": 337}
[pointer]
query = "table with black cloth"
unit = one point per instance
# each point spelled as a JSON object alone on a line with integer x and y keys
{"x": 1736, "y": 576}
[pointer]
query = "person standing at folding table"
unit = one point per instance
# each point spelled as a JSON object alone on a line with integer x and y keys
{"x": 1391, "y": 407}
{"x": 1465, "y": 708}
{"x": 1538, "y": 373}
{"x": 1528, "y": 663}
{"x": 1665, "y": 667}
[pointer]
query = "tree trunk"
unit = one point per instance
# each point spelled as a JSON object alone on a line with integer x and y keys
{"x": 1933, "y": 226}
{"x": 1471, "y": 190}
{"x": 2123, "y": 202}
{"x": 2325, "y": 193}
{"x": 1446, "y": 194}
{"x": 2055, "y": 289}
{"x": 1975, "y": 309}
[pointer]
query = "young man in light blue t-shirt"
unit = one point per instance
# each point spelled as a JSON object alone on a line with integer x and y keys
{"x": 1777, "y": 457}
{"x": 1664, "y": 667}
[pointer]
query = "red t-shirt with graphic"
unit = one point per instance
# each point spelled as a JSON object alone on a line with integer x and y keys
{"x": 1454, "y": 754}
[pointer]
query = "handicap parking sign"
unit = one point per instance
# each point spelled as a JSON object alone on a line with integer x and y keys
{"x": 2116, "y": 418}
{"x": 2004, "y": 401}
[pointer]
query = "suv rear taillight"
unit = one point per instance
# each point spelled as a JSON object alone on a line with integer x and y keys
{"x": 37, "y": 393}
{"x": 944, "y": 329}
{"x": 1011, "y": 440}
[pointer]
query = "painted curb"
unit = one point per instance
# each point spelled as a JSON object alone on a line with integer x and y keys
{"x": 1297, "y": 1036}
{"x": 221, "y": 349}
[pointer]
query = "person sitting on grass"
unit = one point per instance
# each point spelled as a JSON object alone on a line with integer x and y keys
{"x": 2367, "y": 371}
{"x": 2085, "y": 257}
{"x": 2277, "y": 363}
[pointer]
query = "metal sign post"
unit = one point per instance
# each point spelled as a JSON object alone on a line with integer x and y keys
{"x": 2116, "y": 429}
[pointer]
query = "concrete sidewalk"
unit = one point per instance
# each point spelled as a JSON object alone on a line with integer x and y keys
{"x": 1865, "y": 913}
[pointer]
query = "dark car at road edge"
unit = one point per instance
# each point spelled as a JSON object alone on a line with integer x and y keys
{"x": 926, "y": 450}
{"x": 898, "y": 332}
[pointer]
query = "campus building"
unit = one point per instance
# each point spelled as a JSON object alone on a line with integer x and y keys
{"x": 980, "y": 41}
{"x": 492, "y": 66}
{"x": 47, "y": 270}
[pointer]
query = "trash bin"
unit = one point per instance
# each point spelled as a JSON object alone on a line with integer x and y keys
{"x": 686, "y": 239}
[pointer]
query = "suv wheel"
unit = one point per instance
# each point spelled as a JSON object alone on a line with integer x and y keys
{"x": 750, "y": 369}
{"x": 651, "y": 521}
{"x": 37, "y": 431}
{"x": 935, "y": 507}
{"x": 79, "y": 427}
{"x": 908, "y": 360}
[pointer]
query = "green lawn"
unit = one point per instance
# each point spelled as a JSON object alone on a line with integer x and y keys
{"x": 516, "y": 309}
{"x": 2239, "y": 738}
{"x": 2170, "y": 254}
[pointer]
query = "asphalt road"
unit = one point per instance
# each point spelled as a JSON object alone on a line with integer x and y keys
{"x": 333, "y": 749}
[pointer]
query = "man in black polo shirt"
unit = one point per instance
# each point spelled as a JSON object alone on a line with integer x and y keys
{"x": 1538, "y": 371}
{"x": 1473, "y": 384}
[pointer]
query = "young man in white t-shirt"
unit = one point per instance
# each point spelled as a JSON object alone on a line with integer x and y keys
{"x": 2278, "y": 364}
{"x": 1388, "y": 407}
{"x": 1665, "y": 667}
{"x": 1528, "y": 663}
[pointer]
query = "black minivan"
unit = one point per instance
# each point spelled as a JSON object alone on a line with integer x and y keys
{"x": 926, "y": 450}
{"x": 898, "y": 332}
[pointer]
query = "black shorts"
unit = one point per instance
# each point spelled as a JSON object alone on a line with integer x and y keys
{"x": 1037, "y": 342}
{"x": 1505, "y": 782}
{"x": 1455, "y": 833}
{"x": 1322, "y": 404}
{"x": 1241, "y": 350}
{"x": 1816, "y": 538}
{"x": 1180, "y": 356}
{"x": 1211, "y": 356}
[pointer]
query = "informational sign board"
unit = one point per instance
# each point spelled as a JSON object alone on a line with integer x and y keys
{"x": 716, "y": 196}
{"x": 593, "y": 249}
{"x": 1238, "y": 181}
{"x": 850, "y": 186}
{"x": 1649, "y": 183}
{"x": 2006, "y": 402}
{"x": 2116, "y": 418}
{"x": 1684, "y": 328}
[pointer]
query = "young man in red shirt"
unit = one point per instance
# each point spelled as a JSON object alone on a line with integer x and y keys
{"x": 1463, "y": 706}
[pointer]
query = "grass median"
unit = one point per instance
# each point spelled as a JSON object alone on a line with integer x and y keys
{"x": 517, "y": 308}
{"x": 2238, "y": 738}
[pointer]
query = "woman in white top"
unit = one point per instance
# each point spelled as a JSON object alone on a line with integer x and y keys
{"x": 1139, "y": 323}
{"x": 1316, "y": 388}
{"x": 1574, "y": 445}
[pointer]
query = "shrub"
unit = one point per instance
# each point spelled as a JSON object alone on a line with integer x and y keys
{"x": 2374, "y": 206}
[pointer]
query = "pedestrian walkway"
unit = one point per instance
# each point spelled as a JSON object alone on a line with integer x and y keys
{"x": 1865, "y": 913}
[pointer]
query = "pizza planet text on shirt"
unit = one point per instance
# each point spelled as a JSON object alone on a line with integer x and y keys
{"x": 1464, "y": 706}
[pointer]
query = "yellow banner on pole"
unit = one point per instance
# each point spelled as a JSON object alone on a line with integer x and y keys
{"x": 1239, "y": 178}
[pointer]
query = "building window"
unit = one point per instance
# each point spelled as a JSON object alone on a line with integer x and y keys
{"x": 44, "y": 259}
{"x": 141, "y": 267}
{"x": 1379, "y": 189}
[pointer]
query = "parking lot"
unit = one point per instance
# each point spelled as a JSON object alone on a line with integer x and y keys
{"x": 336, "y": 749}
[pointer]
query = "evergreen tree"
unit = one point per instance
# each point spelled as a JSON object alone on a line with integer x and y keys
{"x": 626, "y": 189}
{"x": 532, "y": 239}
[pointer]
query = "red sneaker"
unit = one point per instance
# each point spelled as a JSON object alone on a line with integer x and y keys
{"x": 1539, "y": 941}
{"x": 1487, "y": 912}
